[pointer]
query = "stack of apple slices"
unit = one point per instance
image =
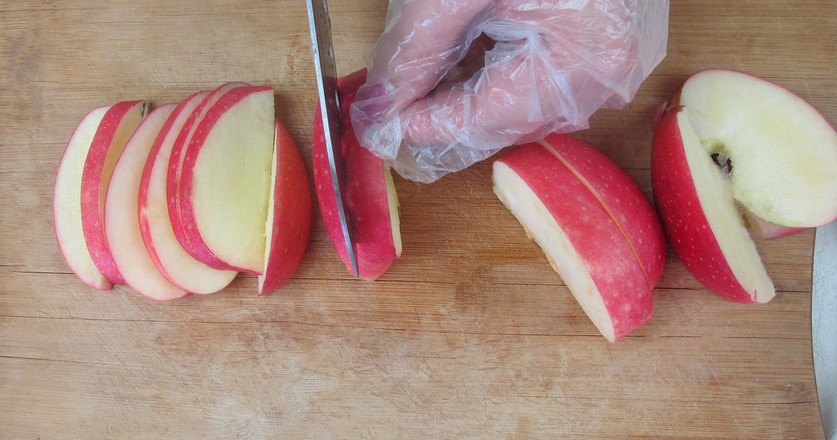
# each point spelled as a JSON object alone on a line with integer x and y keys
{"x": 182, "y": 200}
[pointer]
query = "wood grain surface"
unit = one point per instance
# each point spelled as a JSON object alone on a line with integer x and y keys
{"x": 470, "y": 334}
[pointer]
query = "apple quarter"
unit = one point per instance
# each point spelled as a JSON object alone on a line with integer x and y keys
{"x": 597, "y": 228}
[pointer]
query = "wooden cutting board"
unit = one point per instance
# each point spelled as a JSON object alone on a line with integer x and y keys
{"x": 469, "y": 335}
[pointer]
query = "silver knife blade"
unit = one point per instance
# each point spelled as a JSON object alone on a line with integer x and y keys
{"x": 824, "y": 326}
{"x": 326, "y": 73}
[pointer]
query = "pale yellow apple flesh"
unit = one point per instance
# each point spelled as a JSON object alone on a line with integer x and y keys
{"x": 541, "y": 226}
{"x": 394, "y": 214}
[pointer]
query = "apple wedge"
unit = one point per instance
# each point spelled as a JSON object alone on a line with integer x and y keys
{"x": 288, "y": 214}
{"x": 373, "y": 202}
{"x": 731, "y": 145}
{"x": 122, "y": 213}
{"x": 175, "y": 168}
{"x": 110, "y": 139}
{"x": 66, "y": 202}
{"x": 158, "y": 236}
{"x": 225, "y": 180}
{"x": 596, "y": 227}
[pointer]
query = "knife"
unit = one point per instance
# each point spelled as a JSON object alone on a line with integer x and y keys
{"x": 326, "y": 72}
{"x": 824, "y": 325}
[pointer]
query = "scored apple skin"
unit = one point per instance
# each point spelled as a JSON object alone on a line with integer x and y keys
{"x": 685, "y": 221}
{"x": 289, "y": 215}
{"x": 609, "y": 225}
{"x": 66, "y": 204}
{"x": 171, "y": 259}
{"x": 370, "y": 192}
{"x": 122, "y": 213}
{"x": 112, "y": 135}
{"x": 175, "y": 170}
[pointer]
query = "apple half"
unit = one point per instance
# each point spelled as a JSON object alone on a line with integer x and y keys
{"x": 66, "y": 202}
{"x": 163, "y": 247}
{"x": 121, "y": 215}
{"x": 597, "y": 228}
{"x": 732, "y": 151}
{"x": 288, "y": 214}
{"x": 372, "y": 199}
{"x": 116, "y": 127}
{"x": 225, "y": 180}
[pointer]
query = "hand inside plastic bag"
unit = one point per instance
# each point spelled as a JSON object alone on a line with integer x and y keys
{"x": 451, "y": 82}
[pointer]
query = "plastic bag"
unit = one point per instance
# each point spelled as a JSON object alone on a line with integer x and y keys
{"x": 452, "y": 82}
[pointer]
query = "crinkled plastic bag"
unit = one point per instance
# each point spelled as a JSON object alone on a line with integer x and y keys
{"x": 452, "y": 82}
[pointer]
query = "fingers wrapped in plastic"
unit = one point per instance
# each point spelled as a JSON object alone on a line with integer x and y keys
{"x": 452, "y": 82}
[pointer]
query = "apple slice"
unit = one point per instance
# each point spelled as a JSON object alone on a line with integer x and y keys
{"x": 704, "y": 227}
{"x": 175, "y": 168}
{"x": 66, "y": 203}
{"x": 373, "y": 202}
{"x": 598, "y": 230}
{"x": 122, "y": 213}
{"x": 163, "y": 247}
{"x": 781, "y": 150}
{"x": 288, "y": 214}
{"x": 225, "y": 180}
{"x": 113, "y": 133}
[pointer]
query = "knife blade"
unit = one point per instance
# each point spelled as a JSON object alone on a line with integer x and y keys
{"x": 329, "y": 99}
{"x": 824, "y": 326}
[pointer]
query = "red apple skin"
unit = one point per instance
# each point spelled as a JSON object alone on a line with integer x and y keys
{"x": 609, "y": 221}
{"x": 366, "y": 192}
{"x": 291, "y": 217}
{"x": 95, "y": 179}
{"x": 176, "y": 160}
{"x": 187, "y": 215}
{"x": 686, "y": 226}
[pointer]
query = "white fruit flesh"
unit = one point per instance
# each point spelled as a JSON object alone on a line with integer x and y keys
{"x": 67, "y": 202}
{"x": 716, "y": 199}
{"x": 231, "y": 182}
{"x": 121, "y": 213}
{"x": 394, "y": 216}
{"x": 783, "y": 152}
{"x": 519, "y": 198}
{"x": 268, "y": 224}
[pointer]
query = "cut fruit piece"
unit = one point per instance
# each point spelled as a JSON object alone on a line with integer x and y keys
{"x": 780, "y": 151}
{"x": 288, "y": 214}
{"x": 704, "y": 227}
{"x": 373, "y": 202}
{"x": 66, "y": 203}
{"x": 175, "y": 169}
{"x": 113, "y": 133}
{"x": 596, "y": 227}
{"x": 225, "y": 180}
{"x": 171, "y": 259}
{"x": 122, "y": 217}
